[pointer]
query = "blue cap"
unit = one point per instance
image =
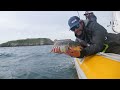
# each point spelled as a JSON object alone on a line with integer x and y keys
{"x": 73, "y": 21}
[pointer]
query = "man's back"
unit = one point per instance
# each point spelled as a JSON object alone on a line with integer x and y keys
{"x": 113, "y": 41}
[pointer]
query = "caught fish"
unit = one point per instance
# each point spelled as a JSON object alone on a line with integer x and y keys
{"x": 61, "y": 46}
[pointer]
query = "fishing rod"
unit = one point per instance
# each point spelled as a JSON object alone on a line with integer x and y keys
{"x": 78, "y": 14}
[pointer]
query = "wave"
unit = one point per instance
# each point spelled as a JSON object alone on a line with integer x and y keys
{"x": 6, "y": 55}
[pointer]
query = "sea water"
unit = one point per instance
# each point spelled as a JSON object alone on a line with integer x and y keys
{"x": 35, "y": 62}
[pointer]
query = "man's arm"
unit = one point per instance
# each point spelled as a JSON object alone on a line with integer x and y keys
{"x": 97, "y": 42}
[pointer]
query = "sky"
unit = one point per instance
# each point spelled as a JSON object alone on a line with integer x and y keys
{"x": 16, "y": 25}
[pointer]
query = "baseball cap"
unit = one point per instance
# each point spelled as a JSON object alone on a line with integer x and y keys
{"x": 73, "y": 21}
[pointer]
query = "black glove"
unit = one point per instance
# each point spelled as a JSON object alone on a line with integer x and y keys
{"x": 82, "y": 53}
{"x": 83, "y": 44}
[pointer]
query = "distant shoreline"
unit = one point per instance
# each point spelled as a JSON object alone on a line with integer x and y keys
{"x": 28, "y": 42}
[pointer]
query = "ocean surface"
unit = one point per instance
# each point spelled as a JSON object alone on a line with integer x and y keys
{"x": 35, "y": 62}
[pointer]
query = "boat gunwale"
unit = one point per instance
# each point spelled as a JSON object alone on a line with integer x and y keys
{"x": 111, "y": 56}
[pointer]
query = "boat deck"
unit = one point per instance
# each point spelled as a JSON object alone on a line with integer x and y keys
{"x": 99, "y": 66}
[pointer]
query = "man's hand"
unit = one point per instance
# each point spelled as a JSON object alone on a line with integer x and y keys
{"x": 83, "y": 43}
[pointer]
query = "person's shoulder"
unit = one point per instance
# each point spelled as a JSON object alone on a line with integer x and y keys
{"x": 93, "y": 25}
{"x": 89, "y": 23}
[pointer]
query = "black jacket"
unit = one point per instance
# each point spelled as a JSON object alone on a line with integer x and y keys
{"x": 92, "y": 17}
{"x": 93, "y": 34}
{"x": 113, "y": 41}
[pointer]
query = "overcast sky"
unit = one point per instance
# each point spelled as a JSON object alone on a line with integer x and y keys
{"x": 42, "y": 24}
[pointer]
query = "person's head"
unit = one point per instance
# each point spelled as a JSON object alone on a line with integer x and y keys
{"x": 76, "y": 25}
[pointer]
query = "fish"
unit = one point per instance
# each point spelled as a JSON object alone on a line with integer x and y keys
{"x": 61, "y": 46}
